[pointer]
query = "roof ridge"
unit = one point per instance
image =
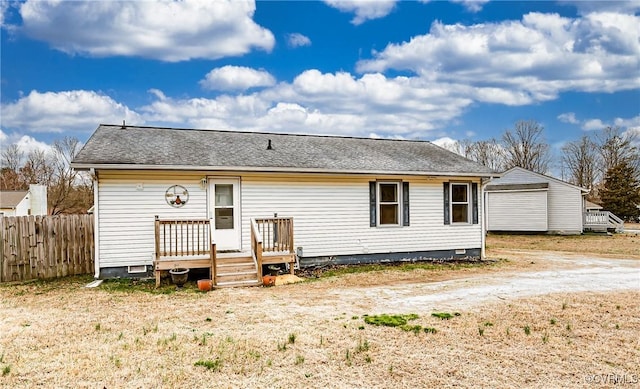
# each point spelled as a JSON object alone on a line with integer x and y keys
{"x": 119, "y": 126}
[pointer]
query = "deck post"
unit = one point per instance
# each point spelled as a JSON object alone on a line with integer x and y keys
{"x": 259, "y": 259}
{"x": 155, "y": 264}
{"x": 212, "y": 272}
{"x": 291, "y": 246}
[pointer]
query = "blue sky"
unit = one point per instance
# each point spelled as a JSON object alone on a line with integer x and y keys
{"x": 430, "y": 70}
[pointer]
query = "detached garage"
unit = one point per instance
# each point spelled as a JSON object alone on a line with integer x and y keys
{"x": 522, "y": 200}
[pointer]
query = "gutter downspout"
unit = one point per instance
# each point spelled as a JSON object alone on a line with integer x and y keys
{"x": 96, "y": 224}
{"x": 483, "y": 253}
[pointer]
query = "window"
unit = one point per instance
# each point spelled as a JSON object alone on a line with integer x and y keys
{"x": 389, "y": 203}
{"x": 459, "y": 203}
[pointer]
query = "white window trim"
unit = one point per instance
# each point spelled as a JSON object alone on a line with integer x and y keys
{"x": 468, "y": 203}
{"x": 398, "y": 203}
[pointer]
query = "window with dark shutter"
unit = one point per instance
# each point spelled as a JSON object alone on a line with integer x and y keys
{"x": 459, "y": 203}
{"x": 388, "y": 203}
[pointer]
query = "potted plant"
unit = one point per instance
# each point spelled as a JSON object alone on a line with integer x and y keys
{"x": 179, "y": 276}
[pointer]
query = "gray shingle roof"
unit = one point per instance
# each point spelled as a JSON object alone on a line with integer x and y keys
{"x": 9, "y": 199}
{"x": 153, "y": 147}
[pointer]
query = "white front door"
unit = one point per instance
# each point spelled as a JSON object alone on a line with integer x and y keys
{"x": 224, "y": 211}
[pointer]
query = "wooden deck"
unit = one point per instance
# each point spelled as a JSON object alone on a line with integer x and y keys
{"x": 183, "y": 244}
{"x": 188, "y": 244}
{"x": 601, "y": 221}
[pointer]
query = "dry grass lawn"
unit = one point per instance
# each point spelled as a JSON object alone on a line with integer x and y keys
{"x": 60, "y": 334}
{"x": 616, "y": 245}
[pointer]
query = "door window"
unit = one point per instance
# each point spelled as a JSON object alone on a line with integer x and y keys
{"x": 224, "y": 206}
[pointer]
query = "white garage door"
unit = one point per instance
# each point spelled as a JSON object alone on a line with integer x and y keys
{"x": 517, "y": 211}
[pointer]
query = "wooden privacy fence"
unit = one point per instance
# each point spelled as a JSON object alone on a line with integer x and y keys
{"x": 45, "y": 246}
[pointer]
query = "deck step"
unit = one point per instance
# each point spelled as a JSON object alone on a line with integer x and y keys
{"x": 238, "y": 273}
{"x": 236, "y": 270}
{"x": 238, "y": 264}
{"x": 232, "y": 284}
{"x": 237, "y": 277}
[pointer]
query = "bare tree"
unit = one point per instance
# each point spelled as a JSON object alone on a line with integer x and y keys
{"x": 525, "y": 147}
{"x": 486, "y": 152}
{"x": 38, "y": 168}
{"x": 10, "y": 164}
{"x": 64, "y": 177}
{"x": 68, "y": 191}
{"x": 580, "y": 159}
{"x": 616, "y": 147}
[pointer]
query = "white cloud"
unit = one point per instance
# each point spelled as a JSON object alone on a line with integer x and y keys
{"x": 448, "y": 144}
{"x": 472, "y": 5}
{"x": 27, "y": 144}
{"x": 593, "y": 124}
{"x": 526, "y": 61}
{"x": 229, "y": 78}
{"x": 4, "y": 7}
{"x": 586, "y": 7}
{"x": 363, "y": 9}
{"x": 76, "y": 110}
{"x": 163, "y": 29}
{"x": 568, "y": 117}
{"x": 315, "y": 102}
{"x": 298, "y": 40}
{"x": 631, "y": 125}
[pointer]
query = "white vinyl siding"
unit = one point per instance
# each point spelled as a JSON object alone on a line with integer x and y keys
{"x": 565, "y": 208}
{"x": 517, "y": 211}
{"x": 330, "y": 213}
{"x": 128, "y": 203}
{"x": 24, "y": 206}
{"x": 331, "y": 216}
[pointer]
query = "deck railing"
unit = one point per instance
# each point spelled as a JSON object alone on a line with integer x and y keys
{"x": 603, "y": 220}
{"x": 182, "y": 237}
{"x": 184, "y": 243}
{"x": 272, "y": 241}
{"x": 276, "y": 233}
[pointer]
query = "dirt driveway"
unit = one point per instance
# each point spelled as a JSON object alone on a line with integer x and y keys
{"x": 536, "y": 273}
{"x": 564, "y": 273}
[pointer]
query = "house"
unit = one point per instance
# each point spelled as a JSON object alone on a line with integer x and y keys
{"x": 341, "y": 200}
{"x": 24, "y": 202}
{"x": 525, "y": 201}
{"x": 592, "y": 207}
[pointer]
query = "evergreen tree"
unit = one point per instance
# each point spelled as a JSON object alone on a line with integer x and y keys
{"x": 621, "y": 191}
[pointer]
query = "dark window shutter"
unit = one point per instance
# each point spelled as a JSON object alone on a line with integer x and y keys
{"x": 446, "y": 203}
{"x": 405, "y": 203}
{"x": 474, "y": 198}
{"x": 372, "y": 204}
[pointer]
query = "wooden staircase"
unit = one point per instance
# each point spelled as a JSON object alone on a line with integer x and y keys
{"x": 188, "y": 244}
{"x": 235, "y": 269}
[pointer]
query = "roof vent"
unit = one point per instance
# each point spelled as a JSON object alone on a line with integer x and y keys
{"x": 124, "y": 125}
{"x": 269, "y": 147}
